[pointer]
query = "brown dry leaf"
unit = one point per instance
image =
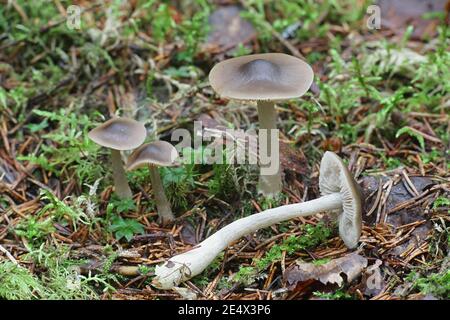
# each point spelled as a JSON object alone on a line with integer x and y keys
{"x": 228, "y": 29}
{"x": 332, "y": 144}
{"x": 292, "y": 159}
{"x": 351, "y": 265}
{"x": 397, "y": 195}
{"x": 411, "y": 213}
{"x": 188, "y": 234}
{"x": 398, "y": 14}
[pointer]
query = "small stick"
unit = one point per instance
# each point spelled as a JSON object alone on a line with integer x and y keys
{"x": 377, "y": 199}
{"x": 410, "y": 184}
{"x": 8, "y": 255}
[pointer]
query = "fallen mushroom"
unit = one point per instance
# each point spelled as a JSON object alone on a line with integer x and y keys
{"x": 265, "y": 78}
{"x": 340, "y": 193}
{"x": 351, "y": 265}
{"x": 119, "y": 134}
{"x": 154, "y": 154}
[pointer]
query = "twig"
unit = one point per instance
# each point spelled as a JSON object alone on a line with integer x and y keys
{"x": 377, "y": 199}
{"x": 275, "y": 33}
{"x": 8, "y": 255}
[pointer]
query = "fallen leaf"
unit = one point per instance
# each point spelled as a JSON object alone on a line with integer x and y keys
{"x": 397, "y": 195}
{"x": 351, "y": 265}
{"x": 292, "y": 159}
{"x": 397, "y": 15}
{"x": 188, "y": 234}
{"x": 228, "y": 29}
{"x": 332, "y": 144}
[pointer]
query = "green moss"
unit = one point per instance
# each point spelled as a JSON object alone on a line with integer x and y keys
{"x": 311, "y": 237}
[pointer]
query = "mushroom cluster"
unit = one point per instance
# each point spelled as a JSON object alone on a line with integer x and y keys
{"x": 120, "y": 134}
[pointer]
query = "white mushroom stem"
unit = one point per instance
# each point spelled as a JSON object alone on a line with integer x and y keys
{"x": 123, "y": 190}
{"x": 269, "y": 185}
{"x": 191, "y": 263}
{"x": 162, "y": 204}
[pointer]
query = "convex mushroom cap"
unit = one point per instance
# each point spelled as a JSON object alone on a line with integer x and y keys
{"x": 160, "y": 153}
{"x": 119, "y": 134}
{"x": 336, "y": 178}
{"x": 267, "y": 76}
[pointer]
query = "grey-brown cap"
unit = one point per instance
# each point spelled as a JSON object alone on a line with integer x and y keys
{"x": 266, "y": 76}
{"x": 160, "y": 153}
{"x": 336, "y": 178}
{"x": 119, "y": 134}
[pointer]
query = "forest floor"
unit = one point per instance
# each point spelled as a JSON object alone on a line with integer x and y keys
{"x": 380, "y": 99}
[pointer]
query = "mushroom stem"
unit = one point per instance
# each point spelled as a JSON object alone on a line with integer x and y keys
{"x": 269, "y": 185}
{"x": 162, "y": 204}
{"x": 191, "y": 263}
{"x": 120, "y": 179}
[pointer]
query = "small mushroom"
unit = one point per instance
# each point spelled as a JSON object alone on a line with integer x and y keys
{"x": 154, "y": 154}
{"x": 119, "y": 134}
{"x": 340, "y": 193}
{"x": 265, "y": 78}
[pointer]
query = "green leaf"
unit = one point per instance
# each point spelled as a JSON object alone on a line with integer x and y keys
{"x": 2, "y": 97}
{"x": 411, "y": 133}
{"x": 35, "y": 127}
{"x": 125, "y": 205}
{"x": 125, "y": 228}
{"x": 441, "y": 202}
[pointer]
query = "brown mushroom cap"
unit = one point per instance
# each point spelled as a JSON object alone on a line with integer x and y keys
{"x": 336, "y": 178}
{"x": 267, "y": 76}
{"x": 119, "y": 134}
{"x": 160, "y": 153}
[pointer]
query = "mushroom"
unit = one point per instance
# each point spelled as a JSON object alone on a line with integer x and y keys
{"x": 154, "y": 154}
{"x": 119, "y": 134}
{"x": 265, "y": 78}
{"x": 339, "y": 193}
